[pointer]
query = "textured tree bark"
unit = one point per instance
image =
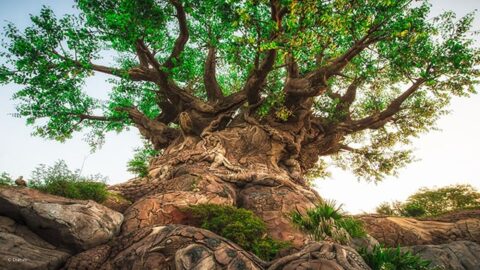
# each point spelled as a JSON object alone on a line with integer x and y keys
{"x": 246, "y": 165}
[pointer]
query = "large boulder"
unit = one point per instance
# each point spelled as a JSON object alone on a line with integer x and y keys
{"x": 167, "y": 208}
{"x": 167, "y": 247}
{"x": 394, "y": 231}
{"x": 459, "y": 255}
{"x": 73, "y": 224}
{"x": 321, "y": 256}
{"x": 22, "y": 249}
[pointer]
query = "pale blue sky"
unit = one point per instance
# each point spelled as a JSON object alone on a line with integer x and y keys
{"x": 445, "y": 157}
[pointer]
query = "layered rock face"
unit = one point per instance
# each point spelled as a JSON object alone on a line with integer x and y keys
{"x": 73, "y": 224}
{"x": 394, "y": 231}
{"x": 20, "y": 248}
{"x": 190, "y": 248}
{"x": 41, "y": 231}
{"x": 167, "y": 247}
{"x": 458, "y": 255}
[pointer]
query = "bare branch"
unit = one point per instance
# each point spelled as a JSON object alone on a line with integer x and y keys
{"x": 134, "y": 74}
{"x": 94, "y": 117}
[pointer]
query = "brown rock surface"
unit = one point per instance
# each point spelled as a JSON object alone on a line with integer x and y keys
{"x": 455, "y": 216}
{"x": 167, "y": 247}
{"x": 116, "y": 202}
{"x": 458, "y": 255}
{"x": 73, "y": 224}
{"x": 22, "y": 249}
{"x": 322, "y": 256}
{"x": 394, "y": 231}
{"x": 167, "y": 208}
{"x": 273, "y": 205}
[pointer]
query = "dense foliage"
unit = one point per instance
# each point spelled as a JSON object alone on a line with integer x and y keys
{"x": 435, "y": 201}
{"x": 5, "y": 179}
{"x": 381, "y": 258}
{"x": 371, "y": 74}
{"x": 238, "y": 225}
{"x": 327, "y": 221}
{"x": 59, "y": 180}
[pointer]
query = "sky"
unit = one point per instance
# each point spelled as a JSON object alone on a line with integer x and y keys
{"x": 444, "y": 157}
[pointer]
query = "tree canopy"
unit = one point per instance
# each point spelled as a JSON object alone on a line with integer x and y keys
{"x": 358, "y": 78}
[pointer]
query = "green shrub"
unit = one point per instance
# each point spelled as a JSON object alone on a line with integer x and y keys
{"x": 238, "y": 225}
{"x": 353, "y": 226}
{"x": 327, "y": 220}
{"x": 140, "y": 161}
{"x": 381, "y": 258}
{"x": 60, "y": 180}
{"x": 413, "y": 209}
{"x": 5, "y": 179}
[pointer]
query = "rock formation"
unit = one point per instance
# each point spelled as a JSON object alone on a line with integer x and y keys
{"x": 42, "y": 231}
{"x": 20, "y": 249}
{"x": 72, "y": 224}
{"x": 394, "y": 231}
{"x": 459, "y": 255}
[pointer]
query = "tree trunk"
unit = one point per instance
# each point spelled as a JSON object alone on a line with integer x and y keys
{"x": 245, "y": 165}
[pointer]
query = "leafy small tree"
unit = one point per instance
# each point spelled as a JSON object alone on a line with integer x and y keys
{"x": 385, "y": 208}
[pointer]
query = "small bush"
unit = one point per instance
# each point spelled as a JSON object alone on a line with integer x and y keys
{"x": 353, "y": 226}
{"x": 381, "y": 258}
{"x": 413, "y": 209}
{"x": 5, "y": 179}
{"x": 238, "y": 225}
{"x": 327, "y": 221}
{"x": 60, "y": 180}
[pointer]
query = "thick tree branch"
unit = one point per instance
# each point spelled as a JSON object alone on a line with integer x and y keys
{"x": 182, "y": 37}
{"x": 158, "y": 133}
{"x": 257, "y": 77}
{"x": 214, "y": 92}
{"x": 177, "y": 96}
{"x": 377, "y": 120}
{"x": 315, "y": 82}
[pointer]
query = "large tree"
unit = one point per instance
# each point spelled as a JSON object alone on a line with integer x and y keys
{"x": 247, "y": 96}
